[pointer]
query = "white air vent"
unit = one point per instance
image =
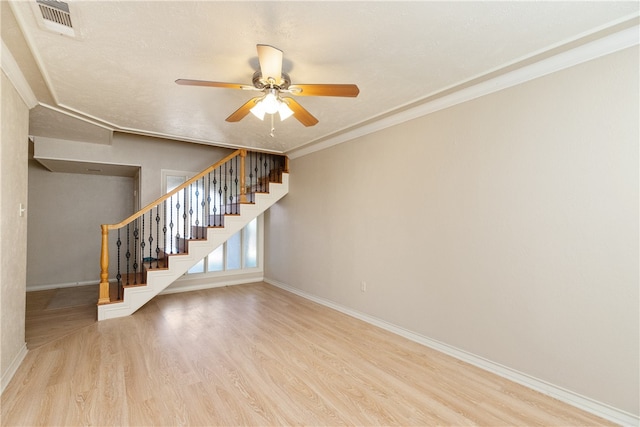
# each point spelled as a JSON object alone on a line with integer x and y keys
{"x": 56, "y": 16}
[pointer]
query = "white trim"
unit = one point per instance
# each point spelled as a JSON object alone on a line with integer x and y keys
{"x": 76, "y": 160}
{"x": 587, "y": 52}
{"x": 13, "y": 72}
{"x": 79, "y": 116}
{"x": 47, "y": 286}
{"x": 13, "y": 367}
{"x": 582, "y": 402}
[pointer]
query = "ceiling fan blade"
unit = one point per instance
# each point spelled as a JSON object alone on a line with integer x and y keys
{"x": 241, "y": 112}
{"x": 302, "y": 115}
{"x": 270, "y": 59}
{"x": 325, "y": 90}
{"x": 188, "y": 82}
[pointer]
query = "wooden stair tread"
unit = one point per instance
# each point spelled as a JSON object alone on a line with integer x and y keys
{"x": 131, "y": 285}
{"x": 196, "y": 233}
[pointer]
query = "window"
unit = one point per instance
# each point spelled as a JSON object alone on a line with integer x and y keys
{"x": 238, "y": 253}
{"x": 250, "y": 244}
{"x": 215, "y": 260}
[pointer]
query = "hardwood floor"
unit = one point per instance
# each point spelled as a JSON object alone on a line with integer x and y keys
{"x": 257, "y": 355}
{"x": 54, "y": 313}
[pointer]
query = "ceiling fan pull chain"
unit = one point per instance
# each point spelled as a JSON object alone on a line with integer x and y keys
{"x": 273, "y": 128}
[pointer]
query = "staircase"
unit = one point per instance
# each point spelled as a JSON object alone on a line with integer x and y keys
{"x": 161, "y": 242}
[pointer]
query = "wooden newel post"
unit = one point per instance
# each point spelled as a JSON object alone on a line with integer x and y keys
{"x": 104, "y": 266}
{"x": 243, "y": 187}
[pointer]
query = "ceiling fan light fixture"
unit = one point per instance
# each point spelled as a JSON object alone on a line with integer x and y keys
{"x": 285, "y": 111}
{"x": 271, "y": 103}
{"x": 272, "y": 86}
{"x": 258, "y": 110}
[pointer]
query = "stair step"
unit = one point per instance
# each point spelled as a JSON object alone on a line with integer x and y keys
{"x": 113, "y": 292}
{"x": 158, "y": 272}
{"x": 154, "y": 265}
{"x": 132, "y": 279}
{"x": 162, "y": 262}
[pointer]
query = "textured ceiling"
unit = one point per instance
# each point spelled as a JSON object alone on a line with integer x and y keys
{"x": 118, "y": 72}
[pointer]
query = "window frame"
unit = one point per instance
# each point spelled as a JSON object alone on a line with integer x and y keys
{"x": 243, "y": 269}
{"x": 165, "y": 173}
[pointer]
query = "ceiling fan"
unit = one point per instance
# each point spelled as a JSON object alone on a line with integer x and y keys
{"x": 273, "y": 83}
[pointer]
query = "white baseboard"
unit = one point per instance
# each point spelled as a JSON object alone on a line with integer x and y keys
{"x": 13, "y": 367}
{"x": 582, "y": 402}
{"x": 47, "y": 286}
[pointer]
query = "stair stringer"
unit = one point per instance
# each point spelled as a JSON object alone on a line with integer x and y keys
{"x": 157, "y": 280}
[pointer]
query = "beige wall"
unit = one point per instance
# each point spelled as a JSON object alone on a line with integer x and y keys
{"x": 151, "y": 154}
{"x": 65, "y": 213}
{"x": 506, "y": 226}
{"x": 14, "y": 124}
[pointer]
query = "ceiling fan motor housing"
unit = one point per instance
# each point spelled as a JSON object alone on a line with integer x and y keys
{"x": 272, "y": 82}
{"x": 260, "y": 83}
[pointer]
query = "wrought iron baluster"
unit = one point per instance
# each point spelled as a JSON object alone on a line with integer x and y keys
{"x": 142, "y": 245}
{"x": 150, "y": 239}
{"x": 136, "y": 237}
{"x": 171, "y": 224}
{"x": 231, "y": 186}
{"x": 128, "y": 254}
{"x": 184, "y": 221}
{"x": 266, "y": 174}
{"x": 164, "y": 228}
{"x": 271, "y": 166}
{"x": 255, "y": 174}
{"x": 225, "y": 187}
{"x": 237, "y": 193}
{"x": 251, "y": 177}
{"x": 215, "y": 209}
{"x": 177, "y": 237}
{"x": 208, "y": 210}
{"x": 197, "y": 224}
{"x": 190, "y": 211}
{"x": 157, "y": 236}
{"x": 203, "y": 205}
{"x": 118, "y": 274}
{"x": 259, "y": 171}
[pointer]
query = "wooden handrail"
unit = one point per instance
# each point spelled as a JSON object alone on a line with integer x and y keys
{"x": 104, "y": 297}
{"x": 177, "y": 190}
{"x": 106, "y": 228}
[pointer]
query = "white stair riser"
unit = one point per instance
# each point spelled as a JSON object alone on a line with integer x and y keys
{"x": 158, "y": 280}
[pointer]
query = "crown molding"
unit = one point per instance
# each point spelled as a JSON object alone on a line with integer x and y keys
{"x": 609, "y": 44}
{"x": 13, "y": 72}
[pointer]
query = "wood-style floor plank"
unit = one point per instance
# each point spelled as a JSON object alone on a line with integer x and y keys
{"x": 44, "y": 324}
{"x": 256, "y": 355}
